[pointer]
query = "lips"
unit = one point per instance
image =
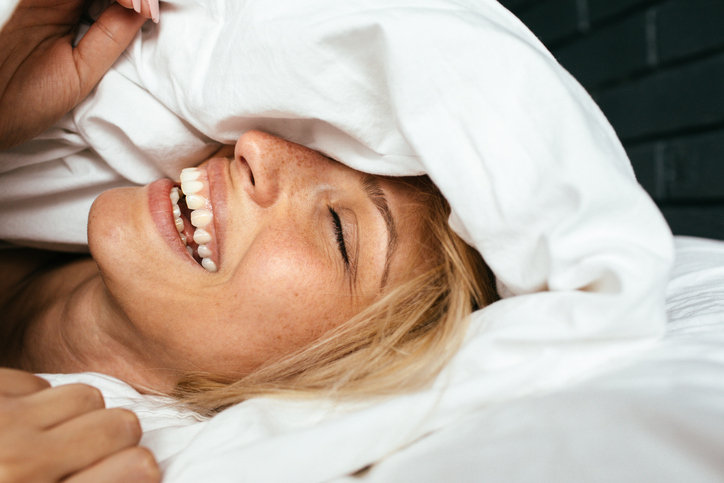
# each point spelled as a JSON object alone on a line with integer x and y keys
{"x": 184, "y": 214}
{"x": 160, "y": 208}
{"x": 217, "y": 170}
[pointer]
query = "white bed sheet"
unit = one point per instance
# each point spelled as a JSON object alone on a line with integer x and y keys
{"x": 658, "y": 416}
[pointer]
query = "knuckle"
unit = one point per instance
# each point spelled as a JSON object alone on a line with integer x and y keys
{"x": 92, "y": 397}
{"x": 15, "y": 377}
{"x": 127, "y": 422}
{"x": 107, "y": 32}
{"x": 37, "y": 383}
{"x": 144, "y": 466}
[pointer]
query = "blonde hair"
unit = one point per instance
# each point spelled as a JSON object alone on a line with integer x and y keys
{"x": 397, "y": 344}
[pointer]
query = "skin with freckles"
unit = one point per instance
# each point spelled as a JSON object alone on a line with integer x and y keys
{"x": 286, "y": 274}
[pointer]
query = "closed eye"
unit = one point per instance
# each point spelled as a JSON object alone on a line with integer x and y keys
{"x": 340, "y": 236}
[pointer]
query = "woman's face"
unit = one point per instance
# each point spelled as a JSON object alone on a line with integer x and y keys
{"x": 296, "y": 244}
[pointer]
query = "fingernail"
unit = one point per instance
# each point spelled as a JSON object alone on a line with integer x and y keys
{"x": 137, "y": 5}
{"x": 153, "y": 5}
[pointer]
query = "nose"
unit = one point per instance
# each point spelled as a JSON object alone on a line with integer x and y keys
{"x": 276, "y": 165}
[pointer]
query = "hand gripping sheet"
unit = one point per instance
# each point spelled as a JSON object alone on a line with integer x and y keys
{"x": 460, "y": 90}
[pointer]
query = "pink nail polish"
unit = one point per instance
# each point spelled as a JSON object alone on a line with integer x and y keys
{"x": 137, "y": 5}
{"x": 153, "y": 5}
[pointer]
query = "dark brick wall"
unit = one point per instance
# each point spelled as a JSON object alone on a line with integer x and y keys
{"x": 656, "y": 68}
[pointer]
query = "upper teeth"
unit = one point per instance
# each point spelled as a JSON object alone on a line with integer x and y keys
{"x": 201, "y": 236}
{"x": 200, "y": 216}
{"x": 194, "y": 202}
{"x": 191, "y": 187}
{"x": 189, "y": 174}
{"x": 204, "y": 251}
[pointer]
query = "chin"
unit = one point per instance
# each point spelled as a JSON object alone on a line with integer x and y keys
{"x": 116, "y": 234}
{"x": 134, "y": 261}
{"x": 107, "y": 233}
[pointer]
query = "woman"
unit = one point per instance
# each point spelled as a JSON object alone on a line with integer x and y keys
{"x": 318, "y": 283}
{"x": 269, "y": 269}
{"x": 250, "y": 259}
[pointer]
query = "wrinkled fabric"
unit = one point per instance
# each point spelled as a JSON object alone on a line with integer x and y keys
{"x": 457, "y": 89}
{"x": 6, "y": 10}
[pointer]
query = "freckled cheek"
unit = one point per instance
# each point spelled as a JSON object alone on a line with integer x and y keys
{"x": 292, "y": 292}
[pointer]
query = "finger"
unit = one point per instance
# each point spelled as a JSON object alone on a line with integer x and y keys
{"x": 59, "y": 404}
{"x": 104, "y": 42}
{"x": 130, "y": 465}
{"x": 147, "y": 8}
{"x": 85, "y": 440}
{"x": 129, "y": 4}
{"x": 16, "y": 383}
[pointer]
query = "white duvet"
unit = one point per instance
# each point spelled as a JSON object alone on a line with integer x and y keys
{"x": 458, "y": 89}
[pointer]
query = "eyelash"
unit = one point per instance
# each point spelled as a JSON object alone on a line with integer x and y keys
{"x": 340, "y": 235}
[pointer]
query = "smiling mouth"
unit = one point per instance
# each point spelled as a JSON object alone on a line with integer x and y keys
{"x": 193, "y": 216}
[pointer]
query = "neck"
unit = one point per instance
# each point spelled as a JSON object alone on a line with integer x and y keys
{"x": 70, "y": 324}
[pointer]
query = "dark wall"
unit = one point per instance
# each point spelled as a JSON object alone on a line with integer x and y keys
{"x": 656, "y": 68}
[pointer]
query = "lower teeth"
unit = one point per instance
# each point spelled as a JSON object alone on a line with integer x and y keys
{"x": 204, "y": 251}
{"x": 201, "y": 236}
{"x": 208, "y": 264}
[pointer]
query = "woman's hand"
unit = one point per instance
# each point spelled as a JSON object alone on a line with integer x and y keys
{"x": 64, "y": 433}
{"x": 42, "y": 76}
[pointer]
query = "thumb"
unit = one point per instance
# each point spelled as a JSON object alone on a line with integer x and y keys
{"x": 104, "y": 42}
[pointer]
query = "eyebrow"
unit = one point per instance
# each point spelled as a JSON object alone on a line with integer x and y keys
{"x": 374, "y": 192}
